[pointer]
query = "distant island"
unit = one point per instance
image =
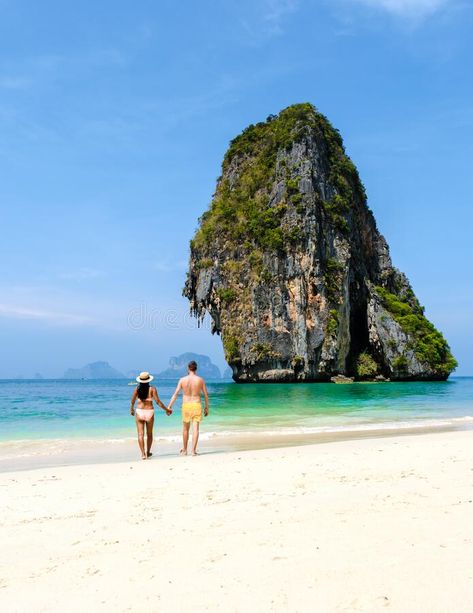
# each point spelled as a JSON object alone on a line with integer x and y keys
{"x": 227, "y": 374}
{"x": 290, "y": 266}
{"x": 178, "y": 367}
{"x": 95, "y": 370}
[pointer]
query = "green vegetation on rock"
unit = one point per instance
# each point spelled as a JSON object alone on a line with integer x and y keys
{"x": 232, "y": 267}
{"x": 204, "y": 263}
{"x": 336, "y": 207}
{"x": 366, "y": 366}
{"x": 429, "y": 345}
{"x": 333, "y": 280}
{"x": 242, "y": 209}
{"x": 298, "y": 362}
{"x": 231, "y": 348}
{"x": 263, "y": 351}
{"x": 294, "y": 235}
{"x": 332, "y": 323}
{"x": 292, "y": 187}
{"x": 226, "y": 295}
{"x": 400, "y": 364}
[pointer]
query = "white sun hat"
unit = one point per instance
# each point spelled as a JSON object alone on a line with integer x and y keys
{"x": 144, "y": 377}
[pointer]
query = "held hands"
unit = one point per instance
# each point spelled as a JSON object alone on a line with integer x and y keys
{"x": 206, "y": 411}
{"x": 168, "y": 411}
{"x": 132, "y": 411}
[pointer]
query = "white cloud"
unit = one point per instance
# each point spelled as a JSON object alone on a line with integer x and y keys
{"x": 276, "y": 11}
{"x": 20, "y": 312}
{"x": 262, "y": 19}
{"x": 47, "y": 69}
{"x": 407, "y": 8}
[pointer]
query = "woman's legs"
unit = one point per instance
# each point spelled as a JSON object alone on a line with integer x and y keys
{"x": 140, "y": 427}
{"x": 149, "y": 435}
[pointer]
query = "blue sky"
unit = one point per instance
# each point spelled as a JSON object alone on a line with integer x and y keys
{"x": 114, "y": 118}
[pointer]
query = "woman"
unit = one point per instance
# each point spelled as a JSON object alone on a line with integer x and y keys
{"x": 145, "y": 411}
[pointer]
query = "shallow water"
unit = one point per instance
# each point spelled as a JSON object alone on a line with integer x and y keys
{"x": 58, "y": 409}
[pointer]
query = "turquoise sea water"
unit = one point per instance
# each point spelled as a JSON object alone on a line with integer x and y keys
{"x": 58, "y": 409}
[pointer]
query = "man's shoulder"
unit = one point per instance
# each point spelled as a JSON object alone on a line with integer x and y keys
{"x": 195, "y": 377}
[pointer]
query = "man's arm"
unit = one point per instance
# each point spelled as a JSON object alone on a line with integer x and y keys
{"x": 175, "y": 395}
{"x": 159, "y": 403}
{"x": 206, "y": 397}
{"x": 133, "y": 400}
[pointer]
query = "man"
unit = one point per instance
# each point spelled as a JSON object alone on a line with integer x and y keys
{"x": 192, "y": 388}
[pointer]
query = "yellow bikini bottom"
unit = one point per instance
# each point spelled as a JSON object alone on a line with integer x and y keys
{"x": 191, "y": 411}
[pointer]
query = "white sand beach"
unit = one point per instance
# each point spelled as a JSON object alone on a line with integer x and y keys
{"x": 360, "y": 525}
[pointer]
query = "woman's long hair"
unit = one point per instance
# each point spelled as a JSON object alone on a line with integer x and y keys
{"x": 143, "y": 391}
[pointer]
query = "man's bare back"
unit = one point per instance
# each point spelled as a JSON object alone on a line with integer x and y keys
{"x": 192, "y": 387}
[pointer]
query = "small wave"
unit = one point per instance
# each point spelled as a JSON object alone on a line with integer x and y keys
{"x": 347, "y": 428}
{"x": 29, "y": 448}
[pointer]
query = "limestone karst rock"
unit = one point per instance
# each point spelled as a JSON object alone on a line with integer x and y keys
{"x": 290, "y": 265}
{"x": 178, "y": 367}
{"x": 94, "y": 370}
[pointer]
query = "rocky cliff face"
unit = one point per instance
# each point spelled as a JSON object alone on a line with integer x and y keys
{"x": 290, "y": 266}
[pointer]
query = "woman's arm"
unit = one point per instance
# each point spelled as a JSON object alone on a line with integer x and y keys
{"x": 133, "y": 400}
{"x": 159, "y": 403}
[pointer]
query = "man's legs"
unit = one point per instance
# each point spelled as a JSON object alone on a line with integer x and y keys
{"x": 185, "y": 437}
{"x": 195, "y": 436}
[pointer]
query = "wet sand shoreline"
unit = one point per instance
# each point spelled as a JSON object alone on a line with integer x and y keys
{"x": 44, "y": 453}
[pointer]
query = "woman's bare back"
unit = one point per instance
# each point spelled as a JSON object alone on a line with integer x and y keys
{"x": 147, "y": 403}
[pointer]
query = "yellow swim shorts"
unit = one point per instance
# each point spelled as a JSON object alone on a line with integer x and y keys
{"x": 191, "y": 411}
